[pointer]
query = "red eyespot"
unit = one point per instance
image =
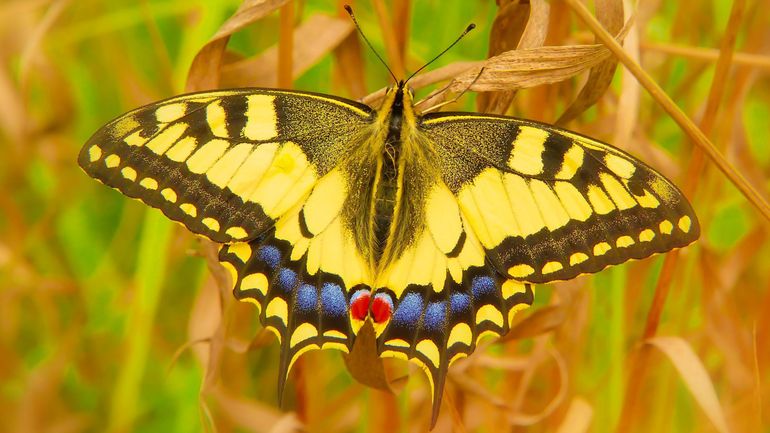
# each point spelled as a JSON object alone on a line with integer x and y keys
{"x": 359, "y": 306}
{"x": 381, "y": 309}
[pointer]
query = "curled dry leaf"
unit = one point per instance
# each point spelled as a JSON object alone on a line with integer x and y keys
{"x": 520, "y": 69}
{"x": 507, "y": 30}
{"x": 205, "y": 68}
{"x": 519, "y": 418}
{"x": 205, "y": 326}
{"x": 610, "y": 14}
{"x": 470, "y": 385}
{"x": 518, "y": 25}
{"x": 694, "y": 374}
{"x": 314, "y": 38}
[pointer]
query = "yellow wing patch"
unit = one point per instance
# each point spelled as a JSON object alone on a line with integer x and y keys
{"x": 426, "y": 263}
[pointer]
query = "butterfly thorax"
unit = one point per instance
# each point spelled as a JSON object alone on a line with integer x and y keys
{"x": 388, "y": 215}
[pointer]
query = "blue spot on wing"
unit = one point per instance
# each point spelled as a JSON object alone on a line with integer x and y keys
{"x": 333, "y": 300}
{"x": 482, "y": 286}
{"x": 270, "y": 255}
{"x": 408, "y": 311}
{"x": 307, "y": 298}
{"x": 287, "y": 279}
{"x": 459, "y": 302}
{"x": 434, "y": 316}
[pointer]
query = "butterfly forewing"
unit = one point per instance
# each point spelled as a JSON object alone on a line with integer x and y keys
{"x": 548, "y": 204}
{"x": 226, "y": 164}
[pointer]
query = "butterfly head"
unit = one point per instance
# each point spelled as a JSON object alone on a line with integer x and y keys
{"x": 398, "y": 102}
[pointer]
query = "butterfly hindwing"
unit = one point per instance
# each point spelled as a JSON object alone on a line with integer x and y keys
{"x": 302, "y": 272}
{"x": 304, "y": 311}
{"x": 226, "y": 164}
{"x": 548, "y": 204}
{"x": 434, "y": 326}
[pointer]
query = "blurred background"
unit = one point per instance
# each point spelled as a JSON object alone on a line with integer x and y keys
{"x": 114, "y": 319}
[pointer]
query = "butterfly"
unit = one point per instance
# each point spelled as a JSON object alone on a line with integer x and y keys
{"x": 432, "y": 228}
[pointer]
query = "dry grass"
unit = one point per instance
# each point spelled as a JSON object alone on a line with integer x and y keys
{"x": 113, "y": 319}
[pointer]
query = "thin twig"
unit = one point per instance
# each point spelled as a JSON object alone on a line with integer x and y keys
{"x": 709, "y": 54}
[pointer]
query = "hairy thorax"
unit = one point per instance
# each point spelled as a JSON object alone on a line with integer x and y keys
{"x": 390, "y": 173}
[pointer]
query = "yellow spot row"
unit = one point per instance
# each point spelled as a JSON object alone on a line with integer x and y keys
{"x": 600, "y": 249}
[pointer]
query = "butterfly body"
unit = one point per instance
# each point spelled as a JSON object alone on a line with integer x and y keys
{"x": 431, "y": 227}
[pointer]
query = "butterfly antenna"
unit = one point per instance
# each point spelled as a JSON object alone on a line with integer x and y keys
{"x": 361, "y": 32}
{"x": 470, "y": 27}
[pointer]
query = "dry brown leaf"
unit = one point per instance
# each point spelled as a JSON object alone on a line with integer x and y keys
{"x": 519, "y": 418}
{"x": 537, "y": 26}
{"x": 578, "y": 418}
{"x": 508, "y": 26}
{"x": 205, "y": 68}
{"x": 520, "y": 69}
{"x": 516, "y": 69}
{"x": 209, "y": 317}
{"x": 694, "y": 374}
{"x": 205, "y": 318}
{"x": 610, "y": 14}
{"x": 519, "y": 26}
{"x": 313, "y": 39}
